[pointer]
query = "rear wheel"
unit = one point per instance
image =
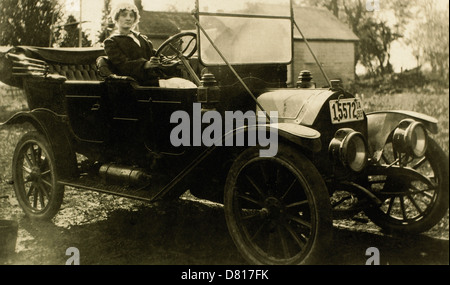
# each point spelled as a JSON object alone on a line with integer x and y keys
{"x": 277, "y": 208}
{"x": 413, "y": 200}
{"x": 35, "y": 177}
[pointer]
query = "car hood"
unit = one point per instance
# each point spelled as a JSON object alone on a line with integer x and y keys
{"x": 300, "y": 106}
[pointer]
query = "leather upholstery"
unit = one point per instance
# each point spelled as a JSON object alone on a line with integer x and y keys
{"x": 76, "y": 72}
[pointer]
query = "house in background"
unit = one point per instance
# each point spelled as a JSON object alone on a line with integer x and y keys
{"x": 331, "y": 40}
{"x": 159, "y": 26}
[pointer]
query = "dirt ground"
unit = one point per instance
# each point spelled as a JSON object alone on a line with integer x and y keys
{"x": 109, "y": 230}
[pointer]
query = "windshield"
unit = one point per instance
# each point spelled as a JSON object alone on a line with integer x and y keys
{"x": 248, "y": 33}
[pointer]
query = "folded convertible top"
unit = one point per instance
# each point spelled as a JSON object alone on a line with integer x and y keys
{"x": 85, "y": 55}
{"x": 52, "y": 56}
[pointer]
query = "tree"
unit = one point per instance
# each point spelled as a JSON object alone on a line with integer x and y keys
{"x": 107, "y": 25}
{"x": 430, "y": 38}
{"x": 138, "y": 4}
{"x": 375, "y": 32}
{"x": 374, "y": 46}
{"x": 27, "y": 22}
{"x": 335, "y": 6}
{"x": 402, "y": 12}
{"x": 332, "y": 5}
{"x": 68, "y": 34}
{"x": 354, "y": 14}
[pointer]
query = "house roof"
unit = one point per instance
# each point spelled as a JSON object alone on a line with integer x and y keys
{"x": 165, "y": 24}
{"x": 321, "y": 24}
{"x": 315, "y": 24}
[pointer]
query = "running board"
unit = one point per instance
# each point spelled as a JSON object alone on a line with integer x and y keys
{"x": 147, "y": 193}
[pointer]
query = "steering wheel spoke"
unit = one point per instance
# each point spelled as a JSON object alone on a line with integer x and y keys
{"x": 178, "y": 49}
{"x": 182, "y": 44}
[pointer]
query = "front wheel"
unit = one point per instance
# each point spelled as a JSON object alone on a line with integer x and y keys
{"x": 35, "y": 177}
{"x": 277, "y": 208}
{"x": 416, "y": 198}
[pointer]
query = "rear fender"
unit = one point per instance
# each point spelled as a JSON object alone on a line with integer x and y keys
{"x": 57, "y": 133}
{"x": 382, "y": 123}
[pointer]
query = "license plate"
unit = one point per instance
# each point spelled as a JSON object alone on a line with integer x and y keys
{"x": 346, "y": 110}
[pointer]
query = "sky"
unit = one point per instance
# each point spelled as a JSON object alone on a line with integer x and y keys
{"x": 401, "y": 56}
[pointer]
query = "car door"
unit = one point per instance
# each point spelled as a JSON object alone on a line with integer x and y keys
{"x": 87, "y": 110}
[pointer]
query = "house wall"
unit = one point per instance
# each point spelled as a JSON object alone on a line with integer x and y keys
{"x": 337, "y": 58}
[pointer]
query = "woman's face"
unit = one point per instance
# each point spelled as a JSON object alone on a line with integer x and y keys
{"x": 126, "y": 19}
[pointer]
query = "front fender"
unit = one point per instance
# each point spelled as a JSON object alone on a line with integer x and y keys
{"x": 56, "y": 131}
{"x": 300, "y": 135}
{"x": 380, "y": 125}
{"x": 305, "y": 137}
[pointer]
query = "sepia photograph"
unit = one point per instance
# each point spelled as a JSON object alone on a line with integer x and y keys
{"x": 220, "y": 138}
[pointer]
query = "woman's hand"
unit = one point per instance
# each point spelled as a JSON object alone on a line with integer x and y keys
{"x": 154, "y": 62}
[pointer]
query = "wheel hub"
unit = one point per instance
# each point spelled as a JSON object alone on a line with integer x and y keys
{"x": 273, "y": 207}
{"x": 35, "y": 173}
{"x": 396, "y": 184}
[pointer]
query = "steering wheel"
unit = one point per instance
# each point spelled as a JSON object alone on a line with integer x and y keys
{"x": 176, "y": 47}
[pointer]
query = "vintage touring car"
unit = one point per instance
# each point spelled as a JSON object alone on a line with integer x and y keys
{"x": 96, "y": 130}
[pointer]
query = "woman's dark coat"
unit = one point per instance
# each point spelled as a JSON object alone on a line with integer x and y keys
{"x": 128, "y": 58}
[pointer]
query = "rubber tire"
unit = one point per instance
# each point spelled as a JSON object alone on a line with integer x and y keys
{"x": 57, "y": 192}
{"x": 439, "y": 160}
{"x": 317, "y": 194}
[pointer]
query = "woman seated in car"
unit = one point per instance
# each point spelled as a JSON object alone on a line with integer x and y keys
{"x": 132, "y": 54}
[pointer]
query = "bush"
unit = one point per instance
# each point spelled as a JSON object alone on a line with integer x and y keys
{"x": 413, "y": 80}
{"x": 12, "y": 100}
